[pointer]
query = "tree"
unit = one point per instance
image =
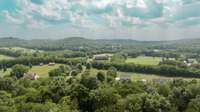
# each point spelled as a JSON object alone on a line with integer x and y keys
{"x": 80, "y": 94}
{"x": 118, "y": 58}
{"x": 103, "y": 98}
{"x": 4, "y": 69}
{"x": 194, "y": 105}
{"x": 79, "y": 67}
{"x": 30, "y": 65}
{"x": 101, "y": 76}
{"x": 89, "y": 82}
{"x": 88, "y": 65}
{"x": 6, "y": 102}
{"x": 19, "y": 70}
{"x": 55, "y": 72}
{"x": 112, "y": 71}
{"x": 147, "y": 103}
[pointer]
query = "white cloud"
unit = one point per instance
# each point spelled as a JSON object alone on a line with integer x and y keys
{"x": 128, "y": 18}
{"x": 11, "y": 18}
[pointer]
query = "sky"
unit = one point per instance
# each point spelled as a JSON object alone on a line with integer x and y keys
{"x": 95, "y": 19}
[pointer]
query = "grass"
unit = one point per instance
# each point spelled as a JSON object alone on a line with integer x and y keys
{"x": 5, "y": 73}
{"x": 140, "y": 76}
{"x": 144, "y": 60}
{"x": 43, "y": 70}
{"x": 4, "y": 57}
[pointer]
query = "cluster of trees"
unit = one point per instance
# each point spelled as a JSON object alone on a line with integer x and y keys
{"x": 119, "y": 58}
{"x": 74, "y": 54}
{"x": 66, "y": 70}
{"x": 163, "y": 70}
{"x": 99, "y": 92}
{"x": 10, "y": 52}
{"x": 173, "y": 63}
{"x": 165, "y": 54}
{"x": 37, "y": 61}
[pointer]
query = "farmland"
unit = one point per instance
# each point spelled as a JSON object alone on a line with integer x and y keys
{"x": 145, "y": 60}
{"x": 3, "y": 57}
{"x": 41, "y": 71}
{"x": 141, "y": 76}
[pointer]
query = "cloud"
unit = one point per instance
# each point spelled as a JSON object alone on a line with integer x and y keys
{"x": 106, "y": 16}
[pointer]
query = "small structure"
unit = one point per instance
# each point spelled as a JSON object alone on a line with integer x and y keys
{"x": 156, "y": 50}
{"x": 51, "y": 63}
{"x": 33, "y": 76}
{"x": 143, "y": 81}
{"x": 102, "y": 57}
{"x": 123, "y": 78}
{"x": 41, "y": 64}
{"x": 190, "y": 62}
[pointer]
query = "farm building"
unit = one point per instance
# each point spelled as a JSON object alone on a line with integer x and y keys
{"x": 33, "y": 76}
{"x": 102, "y": 57}
{"x": 189, "y": 62}
{"x": 123, "y": 78}
{"x": 51, "y": 63}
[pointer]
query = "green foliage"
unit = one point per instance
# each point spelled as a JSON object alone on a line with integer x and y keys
{"x": 118, "y": 58}
{"x": 6, "y": 102}
{"x": 194, "y": 105}
{"x": 101, "y": 76}
{"x": 112, "y": 71}
{"x": 19, "y": 70}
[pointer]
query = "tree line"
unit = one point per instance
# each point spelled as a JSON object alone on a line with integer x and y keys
{"x": 163, "y": 70}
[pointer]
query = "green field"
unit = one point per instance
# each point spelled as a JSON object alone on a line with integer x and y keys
{"x": 42, "y": 71}
{"x": 3, "y": 57}
{"x": 140, "y": 76}
{"x": 5, "y": 73}
{"x": 144, "y": 60}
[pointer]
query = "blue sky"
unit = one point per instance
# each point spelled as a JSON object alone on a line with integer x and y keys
{"x": 133, "y": 19}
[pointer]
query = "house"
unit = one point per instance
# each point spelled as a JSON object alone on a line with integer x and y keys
{"x": 41, "y": 64}
{"x": 123, "y": 78}
{"x": 51, "y": 63}
{"x": 156, "y": 50}
{"x": 191, "y": 61}
{"x": 32, "y": 76}
{"x": 102, "y": 57}
{"x": 143, "y": 81}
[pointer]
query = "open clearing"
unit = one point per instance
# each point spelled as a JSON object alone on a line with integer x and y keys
{"x": 43, "y": 70}
{"x": 144, "y": 60}
{"x": 4, "y": 57}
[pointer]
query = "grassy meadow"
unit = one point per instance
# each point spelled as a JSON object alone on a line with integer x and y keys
{"x": 42, "y": 71}
{"x": 140, "y": 76}
{"x": 4, "y": 57}
{"x": 145, "y": 60}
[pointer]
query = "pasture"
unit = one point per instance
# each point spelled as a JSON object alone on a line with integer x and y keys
{"x": 141, "y": 76}
{"x": 144, "y": 60}
{"x": 43, "y": 70}
{"x": 4, "y": 57}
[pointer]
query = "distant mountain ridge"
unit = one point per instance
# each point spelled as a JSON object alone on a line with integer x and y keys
{"x": 74, "y": 42}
